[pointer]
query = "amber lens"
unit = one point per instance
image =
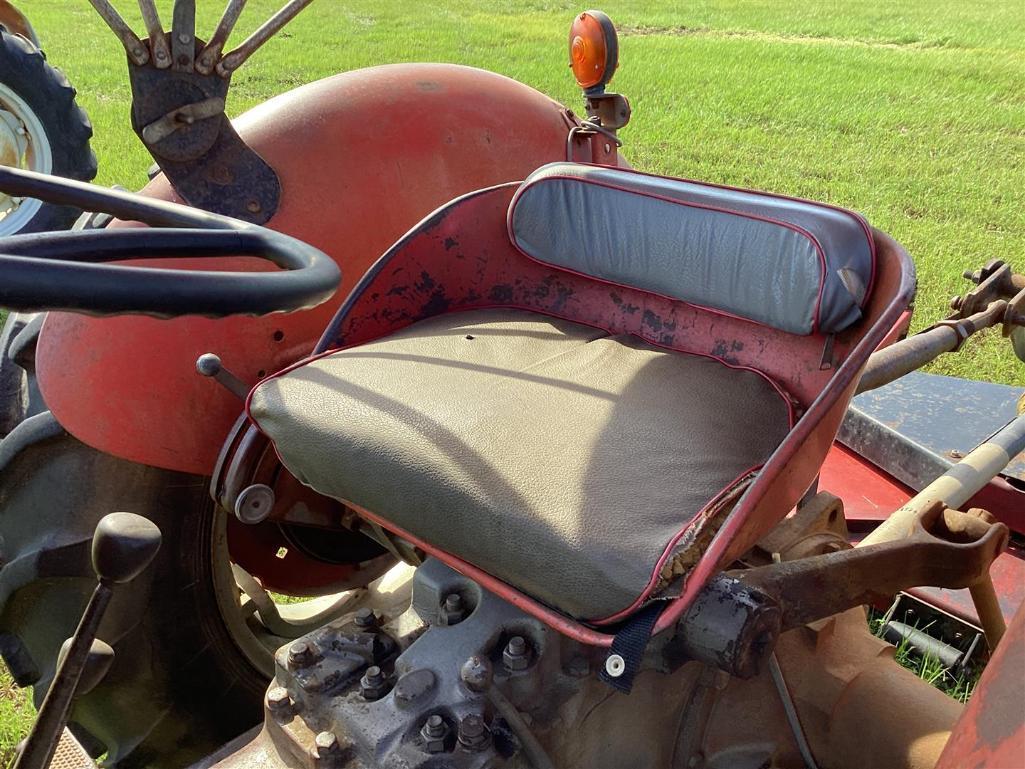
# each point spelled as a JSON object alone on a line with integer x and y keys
{"x": 587, "y": 51}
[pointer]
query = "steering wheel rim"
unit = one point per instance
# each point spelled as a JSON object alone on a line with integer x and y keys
{"x": 70, "y": 271}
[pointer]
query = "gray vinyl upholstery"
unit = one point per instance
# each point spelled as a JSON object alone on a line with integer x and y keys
{"x": 794, "y": 265}
{"x": 551, "y": 455}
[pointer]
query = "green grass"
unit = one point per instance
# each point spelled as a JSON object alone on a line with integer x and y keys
{"x": 912, "y": 112}
{"x": 958, "y": 684}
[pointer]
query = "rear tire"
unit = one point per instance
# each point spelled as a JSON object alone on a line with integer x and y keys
{"x": 38, "y": 102}
{"x": 179, "y": 687}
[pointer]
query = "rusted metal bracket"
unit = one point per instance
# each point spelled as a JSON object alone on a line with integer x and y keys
{"x": 944, "y": 548}
{"x": 179, "y": 115}
{"x": 179, "y": 89}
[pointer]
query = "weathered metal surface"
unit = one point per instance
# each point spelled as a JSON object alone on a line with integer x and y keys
{"x": 450, "y": 699}
{"x": 919, "y": 426}
{"x": 179, "y": 115}
{"x": 991, "y": 732}
{"x": 111, "y": 381}
{"x": 944, "y": 547}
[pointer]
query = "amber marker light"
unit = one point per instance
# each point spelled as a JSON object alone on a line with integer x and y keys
{"x": 593, "y": 50}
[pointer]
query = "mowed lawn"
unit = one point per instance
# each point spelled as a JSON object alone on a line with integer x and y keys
{"x": 912, "y": 113}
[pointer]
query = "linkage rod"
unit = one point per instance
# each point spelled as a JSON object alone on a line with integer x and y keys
{"x": 155, "y": 30}
{"x": 133, "y": 45}
{"x": 183, "y": 35}
{"x": 251, "y": 44}
{"x": 212, "y": 52}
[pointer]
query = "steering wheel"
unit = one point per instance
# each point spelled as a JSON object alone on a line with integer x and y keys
{"x": 66, "y": 270}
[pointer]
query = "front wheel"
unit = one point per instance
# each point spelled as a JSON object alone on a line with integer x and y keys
{"x": 41, "y": 129}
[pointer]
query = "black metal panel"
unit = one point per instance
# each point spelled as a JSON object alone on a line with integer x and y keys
{"x": 917, "y": 427}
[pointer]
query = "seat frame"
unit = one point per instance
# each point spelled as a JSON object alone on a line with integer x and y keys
{"x": 461, "y": 258}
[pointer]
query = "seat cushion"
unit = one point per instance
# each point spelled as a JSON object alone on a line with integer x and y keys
{"x": 795, "y": 265}
{"x": 564, "y": 461}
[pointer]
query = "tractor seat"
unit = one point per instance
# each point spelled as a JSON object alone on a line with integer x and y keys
{"x": 585, "y": 468}
{"x": 558, "y": 458}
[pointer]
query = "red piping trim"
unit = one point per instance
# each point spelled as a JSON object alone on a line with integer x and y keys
{"x": 689, "y": 204}
{"x": 650, "y": 587}
{"x": 653, "y": 579}
{"x": 861, "y": 220}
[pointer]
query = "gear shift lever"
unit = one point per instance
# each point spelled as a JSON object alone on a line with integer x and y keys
{"x": 124, "y": 544}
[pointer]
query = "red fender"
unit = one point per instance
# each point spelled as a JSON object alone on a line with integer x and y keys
{"x": 362, "y": 157}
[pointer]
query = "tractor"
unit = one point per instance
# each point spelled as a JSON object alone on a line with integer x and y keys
{"x": 557, "y": 463}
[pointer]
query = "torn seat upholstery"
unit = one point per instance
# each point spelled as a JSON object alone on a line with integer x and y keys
{"x": 582, "y": 467}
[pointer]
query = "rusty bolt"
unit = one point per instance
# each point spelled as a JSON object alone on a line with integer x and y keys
{"x": 476, "y": 673}
{"x": 365, "y": 618}
{"x": 280, "y": 704}
{"x": 516, "y": 655}
{"x": 434, "y": 732}
{"x": 473, "y": 734}
{"x": 374, "y": 684}
{"x": 300, "y": 654}
{"x": 955, "y": 302}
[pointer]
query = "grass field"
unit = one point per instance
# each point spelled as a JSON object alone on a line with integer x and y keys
{"x": 912, "y": 112}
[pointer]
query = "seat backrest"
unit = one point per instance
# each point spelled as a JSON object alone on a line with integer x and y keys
{"x": 794, "y": 265}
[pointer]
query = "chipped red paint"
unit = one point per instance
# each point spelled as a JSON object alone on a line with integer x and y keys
{"x": 461, "y": 258}
{"x": 991, "y": 732}
{"x": 362, "y": 157}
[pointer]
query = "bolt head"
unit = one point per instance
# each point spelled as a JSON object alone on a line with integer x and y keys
{"x": 301, "y": 653}
{"x": 277, "y": 697}
{"x": 453, "y": 602}
{"x": 327, "y": 742}
{"x": 477, "y": 673}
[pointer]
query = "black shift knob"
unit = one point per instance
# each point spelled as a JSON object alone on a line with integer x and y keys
{"x": 124, "y": 544}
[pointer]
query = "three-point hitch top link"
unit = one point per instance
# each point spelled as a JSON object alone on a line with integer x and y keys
{"x": 181, "y": 52}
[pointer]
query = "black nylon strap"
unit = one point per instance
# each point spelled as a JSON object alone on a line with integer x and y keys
{"x": 629, "y": 645}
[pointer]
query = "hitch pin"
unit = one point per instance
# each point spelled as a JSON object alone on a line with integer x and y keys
{"x": 210, "y": 365}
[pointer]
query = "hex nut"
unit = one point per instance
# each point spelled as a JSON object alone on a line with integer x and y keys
{"x": 374, "y": 684}
{"x": 280, "y": 704}
{"x": 473, "y": 733}
{"x": 434, "y": 732}
{"x": 516, "y": 654}
{"x": 453, "y": 610}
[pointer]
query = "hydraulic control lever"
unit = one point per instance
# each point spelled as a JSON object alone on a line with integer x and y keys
{"x": 123, "y": 546}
